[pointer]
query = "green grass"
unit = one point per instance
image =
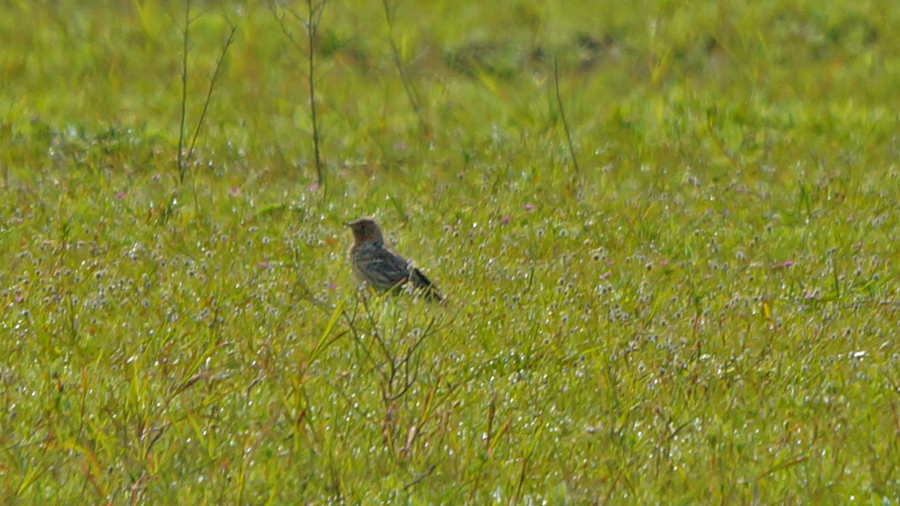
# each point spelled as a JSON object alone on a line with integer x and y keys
{"x": 706, "y": 313}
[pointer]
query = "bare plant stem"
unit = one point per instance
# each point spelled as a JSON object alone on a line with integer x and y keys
{"x": 209, "y": 92}
{"x": 312, "y": 27}
{"x": 562, "y": 115}
{"x": 184, "y": 78}
{"x": 311, "y": 22}
{"x": 184, "y": 159}
{"x": 400, "y": 68}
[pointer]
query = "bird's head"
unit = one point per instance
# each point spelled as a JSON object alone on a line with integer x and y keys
{"x": 365, "y": 229}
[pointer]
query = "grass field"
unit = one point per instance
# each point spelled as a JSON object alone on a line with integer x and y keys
{"x": 695, "y": 303}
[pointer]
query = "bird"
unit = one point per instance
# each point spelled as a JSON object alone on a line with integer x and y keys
{"x": 382, "y": 268}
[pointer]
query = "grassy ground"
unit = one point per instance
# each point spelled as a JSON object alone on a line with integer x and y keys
{"x": 703, "y": 311}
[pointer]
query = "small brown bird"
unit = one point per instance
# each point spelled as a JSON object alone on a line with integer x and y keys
{"x": 381, "y": 267}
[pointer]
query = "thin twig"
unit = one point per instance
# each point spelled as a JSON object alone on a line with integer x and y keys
{"x": 397, "y": 61}
{"x": 311, "y": 23}
{"x": 311, "y": 30}
{"x": 421, "y": 477}
{"x": 562, "y": 114}
{"x": 184, "y": 159}
{"x": 212, "y": 83}
{"x": 184, "y": 79}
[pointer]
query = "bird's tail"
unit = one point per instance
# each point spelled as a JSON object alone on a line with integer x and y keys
{"x": 424, "y": 287}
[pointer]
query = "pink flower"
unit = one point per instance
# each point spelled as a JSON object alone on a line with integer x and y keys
{"x": 605, "y": 274}
{"x": 120, "y": 195}
{"x": 528, "y": 207}
{"x": 263, "y": 265}
{"x": 504, "y": 220}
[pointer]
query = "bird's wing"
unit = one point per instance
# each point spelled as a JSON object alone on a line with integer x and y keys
{"x": 383, "y": 267}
